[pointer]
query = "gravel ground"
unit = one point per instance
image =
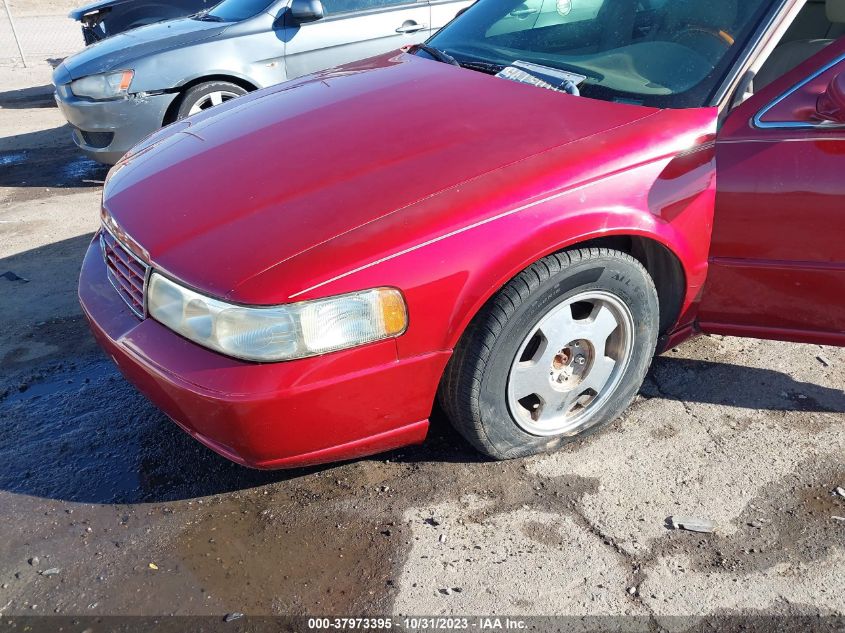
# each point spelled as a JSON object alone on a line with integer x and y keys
{"x": 139, "y": 519}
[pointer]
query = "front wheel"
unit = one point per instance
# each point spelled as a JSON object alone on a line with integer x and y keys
{"x": 207, "y": 95}
{"x": 559, "y": 351}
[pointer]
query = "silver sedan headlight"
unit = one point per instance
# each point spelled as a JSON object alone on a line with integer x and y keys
{"x": 103, "y": 86}
{"x": 277, "y": 333}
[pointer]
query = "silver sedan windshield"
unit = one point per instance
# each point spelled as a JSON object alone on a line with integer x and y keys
{"x": 237, "y": 10}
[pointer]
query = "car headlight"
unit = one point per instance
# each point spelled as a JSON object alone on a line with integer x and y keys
{"x": 277, "y": 333}
{"x": 104, "y": 86}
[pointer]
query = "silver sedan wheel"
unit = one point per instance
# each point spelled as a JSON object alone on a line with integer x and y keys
{"x": 210, "y": 100}
{"x": 570, "y": 363}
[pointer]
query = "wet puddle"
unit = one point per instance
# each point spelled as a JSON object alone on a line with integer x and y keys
{"x": 59, "y": 168}
{"x": 267, "y": 553}
{"x": 59, "y": 384}
{"x": 83, "y": 170}
{"x": 12, "y": 159}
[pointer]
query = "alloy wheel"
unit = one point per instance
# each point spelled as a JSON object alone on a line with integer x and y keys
{"x": 210, "y": 100}
{"x": 570, "y": 363}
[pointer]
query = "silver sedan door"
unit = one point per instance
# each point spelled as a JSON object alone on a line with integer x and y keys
{"x": 443, "y": 11}
{"x": 352, "y": 30}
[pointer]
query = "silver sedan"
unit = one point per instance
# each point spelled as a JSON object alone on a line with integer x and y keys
{"x": 122, "y": 89}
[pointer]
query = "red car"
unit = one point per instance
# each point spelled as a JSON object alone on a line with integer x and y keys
{"x": 512, "y": 219}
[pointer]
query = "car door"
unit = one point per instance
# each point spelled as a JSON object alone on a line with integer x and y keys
{"x": 777, "y": 260}
{"x": 444, "y": 11}
{"x": 355, "y": 29}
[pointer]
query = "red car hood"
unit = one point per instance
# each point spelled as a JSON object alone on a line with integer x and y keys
{"x": 220, "y": 198}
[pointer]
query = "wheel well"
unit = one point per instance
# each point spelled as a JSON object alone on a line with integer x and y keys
{"x": 662, "y": 265}
{"x": 170, "y": 115}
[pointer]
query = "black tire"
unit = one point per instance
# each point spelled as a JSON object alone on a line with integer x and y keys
{"x": 474, "y": 386}
{"x": 201, "y": 91}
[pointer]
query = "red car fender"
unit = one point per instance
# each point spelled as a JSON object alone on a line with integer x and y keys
{"x": 448, "y": 277}
{"x": 680, "y": 222}
{"x": 450, "y": 252}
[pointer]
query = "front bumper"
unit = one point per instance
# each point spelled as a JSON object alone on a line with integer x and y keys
{"x": 277, "y": 415}
{"x": 106, "y": 130}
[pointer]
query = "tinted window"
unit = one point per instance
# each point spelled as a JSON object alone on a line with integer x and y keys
{"x": 237, "y": 10}
{"x": 332, "y": 7}
{"x": 663, "y": 53}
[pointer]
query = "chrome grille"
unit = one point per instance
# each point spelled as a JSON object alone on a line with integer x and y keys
{"x": 126, "y": 272}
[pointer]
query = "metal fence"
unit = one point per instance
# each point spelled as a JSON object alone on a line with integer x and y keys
{"x": 32, "y": 33}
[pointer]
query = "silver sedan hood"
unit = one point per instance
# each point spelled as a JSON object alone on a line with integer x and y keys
{"x": 120, "y": 51}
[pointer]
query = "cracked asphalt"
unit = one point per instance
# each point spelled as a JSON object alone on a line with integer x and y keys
{"x": 139, "y": 519}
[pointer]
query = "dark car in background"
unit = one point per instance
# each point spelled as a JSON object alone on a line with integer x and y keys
{"x": 110, "y": 17}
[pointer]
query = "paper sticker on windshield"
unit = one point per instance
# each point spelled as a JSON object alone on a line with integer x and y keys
{"x": 564, "y": 7}
{"x": 554, "y": 76}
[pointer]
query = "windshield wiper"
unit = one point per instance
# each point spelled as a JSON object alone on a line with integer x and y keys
{"x": 485, "y": 67}
{"x": 436, "y": 53}
{"x": 205, "y": 16}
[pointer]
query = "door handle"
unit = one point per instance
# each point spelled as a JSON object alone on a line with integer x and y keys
{"x": 521, "y": 14}
{"x": 411, "y": 27}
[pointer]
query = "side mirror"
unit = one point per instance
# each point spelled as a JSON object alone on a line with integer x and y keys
{"x": 302, "y": 11}
{"x": 831, "y": 103}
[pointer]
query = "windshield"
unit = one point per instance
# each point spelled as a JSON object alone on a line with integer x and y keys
{"x": 236, "y": 10}
{"x": 661, "y": 53}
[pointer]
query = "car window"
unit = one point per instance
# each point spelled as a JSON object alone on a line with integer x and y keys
{"x": 237, "y": 10}
{"x": 662, "y": 53}
{"x": 332, "y": 7}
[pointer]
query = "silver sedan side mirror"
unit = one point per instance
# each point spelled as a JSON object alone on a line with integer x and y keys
{"x": 302, "y": 11}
